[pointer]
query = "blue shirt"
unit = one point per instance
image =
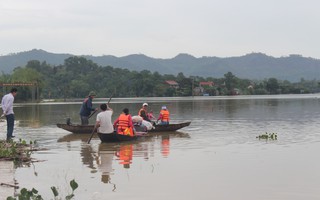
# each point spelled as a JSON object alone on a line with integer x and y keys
{"x": 86, "y": 107}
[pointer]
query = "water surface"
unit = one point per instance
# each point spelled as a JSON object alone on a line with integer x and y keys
{"x": 217, "y": 157}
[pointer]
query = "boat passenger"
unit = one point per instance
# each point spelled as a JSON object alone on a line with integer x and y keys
{"x": 151, "y": 116}
{"x": 143, "y": 112}
{"x": 86, "y": 108}
{"x": 164, "y": 116}
{"x": 124, "y": 123}
{"x": 103, "y": 122}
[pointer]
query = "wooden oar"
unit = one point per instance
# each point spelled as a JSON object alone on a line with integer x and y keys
{"x": 110, "y": 98}
{"x": 94, "y": 128}
{"x": 92, "y": 114}
{"x": 96, "y": 111}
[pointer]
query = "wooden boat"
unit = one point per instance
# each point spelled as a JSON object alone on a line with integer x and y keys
{"x": 114, "y": 137}
{"x": 169, "y": 127}
{"x": 80, "y": 129}
{"x": 76, "y": 128}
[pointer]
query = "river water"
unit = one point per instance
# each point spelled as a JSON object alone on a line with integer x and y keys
{"x": 217, "y": 157}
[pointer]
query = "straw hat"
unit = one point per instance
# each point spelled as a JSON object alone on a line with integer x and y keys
{"x": 92, "y": 93}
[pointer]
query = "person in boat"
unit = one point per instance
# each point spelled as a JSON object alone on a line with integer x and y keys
{"x": 86, "y": 108}
{"x": 103, "y": 121}
{"x": 124, "y": 123}
{"x": 164, "y": 116}
{"x": 151, "y": 116}
{"x": 143, "y": 112}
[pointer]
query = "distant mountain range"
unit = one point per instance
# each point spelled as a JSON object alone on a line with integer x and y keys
{"x": 253, "y": 66}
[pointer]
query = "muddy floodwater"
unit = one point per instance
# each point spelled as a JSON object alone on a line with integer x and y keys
{"x": 217, "y": 157}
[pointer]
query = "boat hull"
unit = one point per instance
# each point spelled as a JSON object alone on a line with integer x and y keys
{"x": 84, "y": 129}
{"x": 76, "y": 128}
{"x": 169, "y": 127}
{"x": 114, "y": 137}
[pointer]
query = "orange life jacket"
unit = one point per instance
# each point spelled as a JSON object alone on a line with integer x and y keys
{"x": 139, "y": 113}
{"x": 165, "y": 115}
{"x": 123, "y": 124}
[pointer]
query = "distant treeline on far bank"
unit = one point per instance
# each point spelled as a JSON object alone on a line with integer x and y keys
{"x": 78, "y": 76}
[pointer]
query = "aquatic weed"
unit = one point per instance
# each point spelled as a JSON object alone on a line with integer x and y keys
{"x": 266, "y": 136}
{"x": 33, "y": 193}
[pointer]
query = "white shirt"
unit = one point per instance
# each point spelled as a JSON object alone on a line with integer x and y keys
{"x": 7, "y": 104}
{"x": 104, "y": 118}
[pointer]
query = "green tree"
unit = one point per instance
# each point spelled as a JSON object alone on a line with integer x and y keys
{"x": 230, "y": 82}
{"x": 26, "y": 75}
{"x": 185, "y": 87}
{"x": 272, "y": 86}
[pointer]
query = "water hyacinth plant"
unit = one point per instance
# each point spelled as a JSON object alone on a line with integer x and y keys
{"x": 19, "y": 151}
{"x": 267, "y": 136}
{"x": 33, "y": 194}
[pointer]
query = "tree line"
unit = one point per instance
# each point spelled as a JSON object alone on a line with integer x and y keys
{"x": 78, "y": 76}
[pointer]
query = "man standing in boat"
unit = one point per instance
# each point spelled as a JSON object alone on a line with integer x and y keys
{"x": 86, "y": 108}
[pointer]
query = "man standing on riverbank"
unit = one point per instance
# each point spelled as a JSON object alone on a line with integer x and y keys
{"x": 7, "y": 108}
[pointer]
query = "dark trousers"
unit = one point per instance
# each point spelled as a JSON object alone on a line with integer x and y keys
{"x": 10, "y": 125}
{"x": 84, "y": 120}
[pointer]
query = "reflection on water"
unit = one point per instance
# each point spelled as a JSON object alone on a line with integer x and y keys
{"x": 7, "y": 179}
{"x": 106, "y": 155}
{"x": 165, "y": 145}
{"x": 218, "y": 152}
{"x": 121, "y": 154}
{"x": 124, "y": 154}
{"x": 88, "y": 156}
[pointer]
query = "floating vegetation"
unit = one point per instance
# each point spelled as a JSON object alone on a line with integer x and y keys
{"x": 25, "y": 194}
{"x": 268, "y": 136}
{"x": 19, "y": 152}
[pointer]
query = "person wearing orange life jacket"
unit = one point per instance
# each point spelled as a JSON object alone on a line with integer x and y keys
{"x": 143, "y": 112}
{"x": 164, "y": 116}
{"x": 124, "y": 123}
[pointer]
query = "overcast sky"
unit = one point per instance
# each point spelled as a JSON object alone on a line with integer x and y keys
{"x": 161, "y": 28}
